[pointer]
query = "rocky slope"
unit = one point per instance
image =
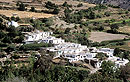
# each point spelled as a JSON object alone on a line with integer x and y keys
{"x": 121, "y": 3}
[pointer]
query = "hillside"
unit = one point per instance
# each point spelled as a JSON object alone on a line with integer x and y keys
{"x": 121, "y": 3}
{"x": 64, "y": 41}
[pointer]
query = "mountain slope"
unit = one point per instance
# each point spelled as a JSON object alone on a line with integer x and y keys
{"x": 121, "y": 3}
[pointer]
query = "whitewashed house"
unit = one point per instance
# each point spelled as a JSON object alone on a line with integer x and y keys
{"x": 98, "y": 64}
{"x": 90, "y": 55}
{"x": 92, "y": 49}
{"x": 57, "y": 41}
{"x": 13, "y": 23}
{"x": 107, "y": 51}
{"x": 47, "y": 39}
{"x": 118, "y": 61}
{"x": 121, "y": 62}
{"x": 38, "y": 36}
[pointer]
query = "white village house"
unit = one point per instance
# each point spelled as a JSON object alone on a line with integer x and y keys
{"x": 13, "y": 23}
{"x": 45, "y": 37}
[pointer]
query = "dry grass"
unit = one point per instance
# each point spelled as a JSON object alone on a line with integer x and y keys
{"x": 72, "y": 2}
{"x": 6, "y": 0}
{"x": 102, "y": 36}
{"x": 24, "y": 14}
{"x": 125, "y": 29}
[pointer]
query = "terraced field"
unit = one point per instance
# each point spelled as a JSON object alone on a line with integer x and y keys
{"x": 24, "y": 14}
{"x": 102, "y": 36}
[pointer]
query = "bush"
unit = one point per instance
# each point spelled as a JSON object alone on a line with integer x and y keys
{"x": 32, "y": 9}
{"x": 21, "y": 7}
{"x": 65, "y": 4}
{"x": 114, "y": 28}
{"x": 1, "y": 20}
{"x": 17, "y": 19}
{"x": 91, "y": 15}
{"x": 50, "y": 5}
{"x": 101, "y": 28}
{"x": 7, "y": 40}
{"x": 10, "y": 48}
{"x": 56, "y": 11}
{"x": 107, "y": 14}
{"x": 2, "y": 34}
{"x": 15, "y": 56}
{"x": 67, "y": 30}
{"x": 80, "y": 5}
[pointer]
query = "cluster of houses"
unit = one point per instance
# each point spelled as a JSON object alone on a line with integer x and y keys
{"x": 39, "y": 36}
{"x": 73, "y": 51}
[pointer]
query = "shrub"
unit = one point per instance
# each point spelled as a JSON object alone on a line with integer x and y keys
{"x": 65, "y": 4}
{"x": 7, "y": 40}
{"x": 2, "y": 34}
{"x": 21, "y": 7}
{"x": 56, "y": 11}
{"x": 32, "y": 9}
{"x": 107, "y": 14}
{"x": 50, "y": 5}
{"x": 17, "y": 19}
{"x": 1, "y": 20}
{"x": 91, "y": 15}
{"x": 80, "y": 5}
{"x": 67, "y": 30}
{"x": 34, "y": 46}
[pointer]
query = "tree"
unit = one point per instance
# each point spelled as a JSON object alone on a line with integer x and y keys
{"x": 65, "y": 4}
{"x": 126, "y": 55}
{"x": 107, "y": 68}
{"x": 126, "y": 12}
{"x": 21, "y": 7}
{"x": 32, "y": 9}
{"x": 80, "y": 5}
{"x": 13, "y": 32}
{"x": 56, "y": 11}
{"x": 125, "y": 72}
{"x": 67, "y": 11}
{"x": 50, "y": 5}
{"x": 7, "y": 40}
{"x": 17, "y": 19}
{"x": 2, "y": 34}
{"x": 37, "y": 24}
{"x": 124, "y": 22}
{"x": 91, "y": 15}
{"x": 45, "y": 62}
{"x": 117, "y": 51}
{"x": 2, "y": 26}
{"x": 83, "y": 74}
{"x": 13, "y": 18}
{"x": 82, "y": 39}
{"x": 20, "y": 39}
{"x": 18, "y": 3}
{"x": 101, "y": 28}
{"x": 1, "y": 20}
{"x": 101, "y": 56}
{"x": 114, "y": 27}
{"x": 96, "y": 77}
{"x": 10, "y": 48}
{"x": 67, "y": 30}
{"x": 107, "y": 14}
